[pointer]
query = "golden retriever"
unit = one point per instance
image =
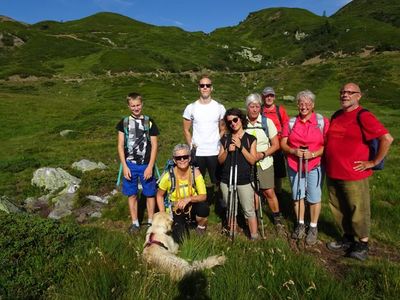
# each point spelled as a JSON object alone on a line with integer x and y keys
{"x": 160, "y": 250}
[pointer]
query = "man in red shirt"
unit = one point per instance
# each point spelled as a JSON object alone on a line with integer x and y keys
{"x": 348, "y": 169}
{"x": 279, "y": 116}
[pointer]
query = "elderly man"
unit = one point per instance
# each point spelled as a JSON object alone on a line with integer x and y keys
{"x": 205, "y": 115}
{"x": 278, "y": 115}
{"x": 348, "y": 168}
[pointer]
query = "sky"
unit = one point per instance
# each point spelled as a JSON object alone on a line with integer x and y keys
{"x": 190, "y": 15}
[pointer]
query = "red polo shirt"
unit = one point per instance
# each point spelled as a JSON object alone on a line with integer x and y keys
{"x": 345, "y": 145}
{"x": 306, "y": 133}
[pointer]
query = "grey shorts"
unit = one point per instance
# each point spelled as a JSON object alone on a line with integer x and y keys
{"x": 246, "y": 198}
{"x": 266, "y": 177}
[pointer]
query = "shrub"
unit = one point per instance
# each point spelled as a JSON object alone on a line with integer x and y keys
{"x": 35, "y": 253}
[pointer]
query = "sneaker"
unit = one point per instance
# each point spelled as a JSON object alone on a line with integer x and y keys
{"x": 133, "y": 229}
{"x": 359, "y": 251}
{"x": 312, "y": 235}
{"x": 341, "y": 245}
{"x": 299, "y": 232}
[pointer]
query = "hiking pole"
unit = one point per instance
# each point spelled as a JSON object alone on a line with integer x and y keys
{"x": 235, "y": 197}
{"x": 119, "y": 176}
{"x": 298, "y": 194}
{"x": 230, "y": 190}
{"x": 259, "y": 211}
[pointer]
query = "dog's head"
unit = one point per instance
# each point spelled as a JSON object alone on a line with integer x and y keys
{"x": 163, "y": 220}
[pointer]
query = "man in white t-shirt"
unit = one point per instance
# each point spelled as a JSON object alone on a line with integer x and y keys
{"x": 205, "y": 116}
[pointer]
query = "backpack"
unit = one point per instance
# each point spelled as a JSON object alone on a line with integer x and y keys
{"x": 320, "y": 121}
{"x": 147, "y": 125}
{"x": 372, "y": 144}
{"x": 264, "y": 119}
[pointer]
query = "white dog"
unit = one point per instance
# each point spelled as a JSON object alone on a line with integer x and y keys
{"x": 160, "y": 250}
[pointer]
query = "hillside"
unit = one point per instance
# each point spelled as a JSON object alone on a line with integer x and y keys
{"x": 112, "y": 43}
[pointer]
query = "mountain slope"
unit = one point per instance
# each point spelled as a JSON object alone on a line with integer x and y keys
{"x": 108, "y": 42}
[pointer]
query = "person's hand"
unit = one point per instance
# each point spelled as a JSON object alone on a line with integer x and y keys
{"x": 237, "y": 142}
{"x": 298, "y": 152}
{"x": 127, "y": 173}
{"x": 182, "y": 203}
{"x": 363, "y": 165}
{"x": 148, "y": 173}
{"x": 308, "y": 154}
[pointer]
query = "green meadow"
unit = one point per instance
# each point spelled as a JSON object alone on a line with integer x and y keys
{"x": 99, "y": 260}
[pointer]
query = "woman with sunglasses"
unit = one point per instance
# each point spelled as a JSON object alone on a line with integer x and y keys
{"x": 189, "y": 194}
{"x": 238, "y": 148}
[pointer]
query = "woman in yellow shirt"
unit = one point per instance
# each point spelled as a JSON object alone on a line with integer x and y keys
{"x": 189, "y": 195}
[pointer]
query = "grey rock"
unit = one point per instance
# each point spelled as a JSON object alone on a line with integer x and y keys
{"x": 87, "y": 165}
{"x": 53, "y": 179}
{"x": 103, "y": 200}
{"x": 59, "y": 213}
{"x": 65, "y": 200}
{"x": 7, "y": 206}
{"x": 66, "y": 132}
{"x": 96, "y": 214}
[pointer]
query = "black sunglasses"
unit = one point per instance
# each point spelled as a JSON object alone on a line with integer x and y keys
{"x": 234, "y": 120}
{"x": 181, "y": 157}
{"x": 203, "y": 85}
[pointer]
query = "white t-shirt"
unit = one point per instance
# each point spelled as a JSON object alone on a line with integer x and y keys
{"x": 263, "y": 141}
{"x": 205, "y": 122}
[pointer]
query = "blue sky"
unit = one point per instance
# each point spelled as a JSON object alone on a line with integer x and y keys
{"x": 191, "y": 15}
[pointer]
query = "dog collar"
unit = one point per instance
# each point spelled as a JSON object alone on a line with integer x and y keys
{"x": 151, "y": 241}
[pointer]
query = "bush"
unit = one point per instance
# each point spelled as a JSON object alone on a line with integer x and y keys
{"x": 35, "y": 253}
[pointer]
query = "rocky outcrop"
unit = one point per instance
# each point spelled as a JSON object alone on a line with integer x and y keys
{"x": 85, "y": 165}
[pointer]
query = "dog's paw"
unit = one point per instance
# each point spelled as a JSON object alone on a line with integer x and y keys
{"x": 221, "y": 259}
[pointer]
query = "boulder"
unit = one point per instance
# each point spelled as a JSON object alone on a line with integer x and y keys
{"x": 7, "y": 206}
{"x": 66, "y": 132}
{"x": 87, "y": 165}
{"x": 98, "y": 199}
{"x": 53, "y": 179}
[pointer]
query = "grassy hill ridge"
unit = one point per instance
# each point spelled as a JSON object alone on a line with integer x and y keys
{"x": 109, "y": 42}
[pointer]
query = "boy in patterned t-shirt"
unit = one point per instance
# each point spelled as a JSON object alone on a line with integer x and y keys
{"x": 137, "y": 150}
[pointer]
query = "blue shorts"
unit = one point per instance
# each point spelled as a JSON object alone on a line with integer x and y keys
{"x": 130, "y": 187}
{"x": 314, "y": 183}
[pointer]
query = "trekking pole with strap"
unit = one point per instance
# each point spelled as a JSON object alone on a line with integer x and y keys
{"x": 259, "y": 211}
{"x": 230, "y": 193}
{"x": 235, "y": 196}
{"x": 298, "y": 194}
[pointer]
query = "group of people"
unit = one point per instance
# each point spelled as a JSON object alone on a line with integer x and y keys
{"x": 254, "y": 150}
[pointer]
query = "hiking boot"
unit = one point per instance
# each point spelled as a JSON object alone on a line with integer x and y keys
{"x": 133, "y": 229}
{"x": 279, "y": 227}
{"x": 341, "y": 245}
{"x": 312, "y": 235}
{"x": 359, "y": 251}
{"x": 299, "y": 232}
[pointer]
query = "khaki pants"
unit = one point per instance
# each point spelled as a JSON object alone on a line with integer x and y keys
{"x": 350, "y": 205}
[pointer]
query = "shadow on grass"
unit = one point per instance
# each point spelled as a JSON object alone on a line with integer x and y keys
{"x": 193, "y": 286}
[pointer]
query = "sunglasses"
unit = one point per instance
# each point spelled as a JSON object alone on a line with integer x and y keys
{"x": 181, "y": 157}
{"x": 234, "y": 120}
{"x": 349, "y": 92}
{"x": 205, "y": 85}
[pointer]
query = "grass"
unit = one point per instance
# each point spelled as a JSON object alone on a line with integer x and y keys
{"x": 33, "y": 113}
